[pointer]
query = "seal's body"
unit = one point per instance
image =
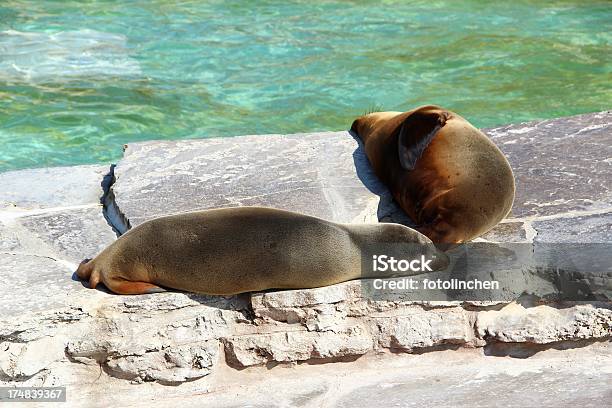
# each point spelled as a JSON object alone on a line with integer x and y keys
{"x": 233, "y": 250}
{"x": 446, "y": 174}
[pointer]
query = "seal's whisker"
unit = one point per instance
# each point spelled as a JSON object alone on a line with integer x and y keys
{"x": 373, "y": 108}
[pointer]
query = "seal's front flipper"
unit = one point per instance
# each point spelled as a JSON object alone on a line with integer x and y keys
{"x": 417, "y": 131}
{"x": 126, "y": 287}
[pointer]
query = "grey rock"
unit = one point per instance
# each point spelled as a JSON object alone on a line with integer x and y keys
{"x": 52, "y": 187}
{"x": 128, "y": 336}
{"x": 39, "y": 254}
{"x": 299, "y": 298}
{"x": 506, "y": 232}
{"x": 301, "y": 345}
{"x": 544, "y": 382}
{"x": 168, "y": 366}
{"x": 315, "y": 174}
{"x": 34, "y": 283}
{"x": 576, "y": 377}
{"x": 560, "y": 165}
{"x": 75, "y": 234}
{"x": 575, "y": 230}
{"x": 21, "y": 361}
{"x": 9, "y": 240}
{"x": 417, "y": 329}
{"x": 544, "y": 324}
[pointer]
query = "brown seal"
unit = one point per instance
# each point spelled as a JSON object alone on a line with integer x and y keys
{"x": 444, "y": 173}
{"x": 243, "y": 249}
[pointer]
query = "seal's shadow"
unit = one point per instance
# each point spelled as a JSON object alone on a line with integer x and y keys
{"x": 388, "y": 210}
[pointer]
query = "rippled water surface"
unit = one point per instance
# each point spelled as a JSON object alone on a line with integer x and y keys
{"x": 80, "y": 79}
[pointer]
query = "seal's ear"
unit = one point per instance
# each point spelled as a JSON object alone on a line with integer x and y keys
{"x": 416, "y": 133}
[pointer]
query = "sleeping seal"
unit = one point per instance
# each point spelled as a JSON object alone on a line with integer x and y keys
{"x": 444, "y": 173}
{"x": 243, "y": 249}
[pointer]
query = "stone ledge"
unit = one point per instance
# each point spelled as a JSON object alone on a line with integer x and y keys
{"x": 51, "y": 187}
{"x": 67, "y": 333}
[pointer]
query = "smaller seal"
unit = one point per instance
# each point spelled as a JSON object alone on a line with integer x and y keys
{"x": 243, "y": 249}
{"x": 450, "y": 179}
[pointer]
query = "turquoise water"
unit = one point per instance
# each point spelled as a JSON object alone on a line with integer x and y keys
{"x": 80, "y": 79}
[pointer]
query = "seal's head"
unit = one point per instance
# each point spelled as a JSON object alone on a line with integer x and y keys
{"x": 364, "y": 125}
{"x": 425, "y": 119}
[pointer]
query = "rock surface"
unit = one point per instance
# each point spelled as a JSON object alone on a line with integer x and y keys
{"x": 51, "y": 219}
{"x": 560, "y": 165}
{"x": 314, "y": 174}
{"x": 52, "y": 187}
{"x": 54, "y": 331}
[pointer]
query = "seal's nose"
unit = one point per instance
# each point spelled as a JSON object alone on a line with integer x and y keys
{"x": 84, "y": 269}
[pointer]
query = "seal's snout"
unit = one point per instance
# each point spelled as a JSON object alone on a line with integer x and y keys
{"x": 84, "y": 269}
{"x": 362, "y": 126}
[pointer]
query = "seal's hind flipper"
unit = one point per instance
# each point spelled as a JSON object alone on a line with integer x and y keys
{"x": 126, "y": 287}
{"x": 417, "y": 131}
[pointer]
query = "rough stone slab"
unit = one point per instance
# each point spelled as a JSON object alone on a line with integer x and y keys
{"x": 544, "y": 324}
{"x": 404, "y": 326}
{"x": 507, "y": 232}
{"x": 75, "y": 234}
{"x": 9, "y": 241}
{"x": 466, "y": 378}
{"x": 292, "y": 346}
{"x": 39, "y": 254}
{"x": 560, "y": 165}
{"x": 318, "y": 174}
{"x": 300, "y": 298}
{"x": 328, "y": 175}
{"x": 582, "y": 229}
{"x": 130, "y": 337}
{"x": 421, "y": 330}
{"x": 50, "y": 219}
{"x": 492, "y": 383}
{"x": 33, "y": 283}
{"x": 52, "y": 187}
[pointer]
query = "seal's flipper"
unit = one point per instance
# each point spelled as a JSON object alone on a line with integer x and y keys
{"x": 126, "y": 287}
{"x": 416, "y": 133}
